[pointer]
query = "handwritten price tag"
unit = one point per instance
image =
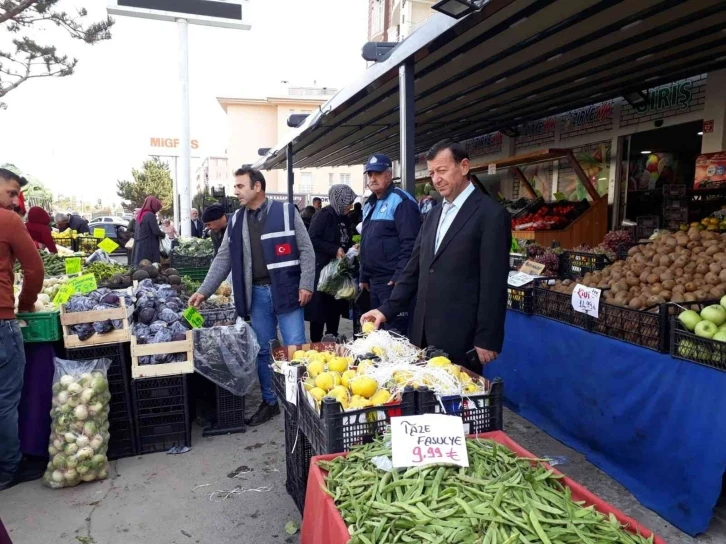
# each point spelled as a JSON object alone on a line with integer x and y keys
{"x": 290, "y": 373}
{"x": 586, "y": 300}
{"x": 108, "y": 245}
{"x": 517, "y": 279}
{"x": 195, "y": 319}
{"x": 73, "y": 265}
{"x": 64, "y": 293}
{"x": 491, "y": 169}
{"x": 424, "y": 440}
{"x": 99, "y": 233}
{"x": 532, "y": 268}
{"x": 84, "y": 284}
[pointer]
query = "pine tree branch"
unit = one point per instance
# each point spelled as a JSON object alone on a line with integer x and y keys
{"x": 13, "y": 12}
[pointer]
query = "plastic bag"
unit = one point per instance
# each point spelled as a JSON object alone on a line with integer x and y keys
{"x": 165, "y": 247}
{"x": 99, "y": 256}
{"x": 333, "y": 276}
{"x": 79, "y": 423}
{"x": 347, "y": 290}
{"x": 227, "y": 356}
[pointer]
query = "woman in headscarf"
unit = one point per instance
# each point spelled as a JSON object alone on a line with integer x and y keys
{"x": 38, "y": 226}
{"x": 147, "y": 232}
{"x": 331, "y": 237}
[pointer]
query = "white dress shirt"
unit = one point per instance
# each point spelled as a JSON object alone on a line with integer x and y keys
{"x": 448, "y": 214}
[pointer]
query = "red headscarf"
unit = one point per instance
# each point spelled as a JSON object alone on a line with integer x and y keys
{"x": 151, "y": 205}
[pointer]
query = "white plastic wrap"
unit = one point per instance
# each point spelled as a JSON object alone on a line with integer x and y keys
{"x": 227, "y": 356}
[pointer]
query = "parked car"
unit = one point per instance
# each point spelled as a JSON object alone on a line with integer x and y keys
{"x": 115, "y": 231}
{"x": 110, "y": 219}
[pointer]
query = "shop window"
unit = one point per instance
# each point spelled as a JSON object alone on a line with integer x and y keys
{"x": 377, "y": 16}
{"x": 345, "y": 179}
{"x": 331, "y": 179}
{"x": 595, "y": 161}
{"x": 306, "y": 182}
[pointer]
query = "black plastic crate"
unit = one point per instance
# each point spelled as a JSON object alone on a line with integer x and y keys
{"x": 190, "y": 261}
{"x": 623, "y": 249}
{"x": 482, "y": 413}
{"x": 278, "y": 384}
{"x": 334, "y": 431}
{"x": 578, "y": 263}
{"x": 224, "y": 314}
{"x": 520, "y": 299}
{"x": 122, "y": 442}
{"x": 558, "y": 306}
{"x": 647, "y": 328}
{"x": 689, "y": 347}
{"x": 159, "y": 433}
{"x": 230, "y": 414}
{"x": 298, "y": 453}
{"x": 160, "y": 396}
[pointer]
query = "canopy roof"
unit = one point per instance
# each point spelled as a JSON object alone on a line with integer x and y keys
{"x": 512, "y": 62}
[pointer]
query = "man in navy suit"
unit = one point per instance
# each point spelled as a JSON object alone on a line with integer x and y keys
{"x": 458, "y": 269}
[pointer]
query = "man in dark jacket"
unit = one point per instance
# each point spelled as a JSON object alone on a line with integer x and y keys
{"x": 216, "y": 221}
{"x": 197, "y": 225}
{"x": 391, "y": 222}
{"x": 65, "y": 221}
{"x": 458, "y": 269}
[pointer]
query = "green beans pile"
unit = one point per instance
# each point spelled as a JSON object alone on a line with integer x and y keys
{"x": 499, "y": 499}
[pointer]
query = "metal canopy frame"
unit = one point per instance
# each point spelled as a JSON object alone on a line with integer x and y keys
{"x": 513, "y": 62}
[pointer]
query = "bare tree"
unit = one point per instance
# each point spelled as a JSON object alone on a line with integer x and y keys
{"x": 31, "y": 59}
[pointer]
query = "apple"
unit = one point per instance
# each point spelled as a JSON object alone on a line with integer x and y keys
{"x": 723, "y": 301}
{"x": 687, "y": 349}
{"x": 705, "y": 329}
{"x": 722, "y": 327}
{"x": 715, "y": 313}
{"x": 720, "y": 336}
{"x": 690, "y": 319}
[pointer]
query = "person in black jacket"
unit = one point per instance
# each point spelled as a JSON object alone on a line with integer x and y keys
{"x": 148, "y": 233}
{"x": 458, "y": 269}
{"x": 216, "y": 221}
{"x": 65, "y": 221}
{"x": 307, "y": 215}
{"x": 331, "y": 237}
{"x": 197, "y": 225}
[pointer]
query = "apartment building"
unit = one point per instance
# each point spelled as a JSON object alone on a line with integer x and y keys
{"x": 395, "y": 20}
{"x": 261, "y": 122}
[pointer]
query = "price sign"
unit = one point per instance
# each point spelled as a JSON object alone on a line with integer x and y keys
{"x": 65, "y": 293}
{"x": 532, "y": 268}
{"x": 84, "y": 284}
{"x": 195, "y": 319}
{"x": 73, "y": 265}
{"x": 99, "y": 233}
{"x": 586, "y": 300}
{"x": 290, "y": 373}
{"x": 108, "y": 245}
{"x": 492, "y": 169}
{"x": 517, "y": 279}
{"x": 428, "y": 439}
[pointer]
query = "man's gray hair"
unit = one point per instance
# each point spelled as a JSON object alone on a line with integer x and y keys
{"x": 195, "y": 210}
{"x": 62, "y": 217}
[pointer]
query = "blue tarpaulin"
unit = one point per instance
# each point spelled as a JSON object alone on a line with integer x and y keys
{"x": 655, "y": 424}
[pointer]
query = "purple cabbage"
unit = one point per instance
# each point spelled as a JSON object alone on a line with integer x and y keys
{"x": 178, "y": 328}
{"x": 169, "y": 316}
{"x": 156, "y": 326}
{"x": 163, "y": 335}
{"x": 111, "y": 299}
{"x": 83, "y": 330}
{"x": 102, "y": 327}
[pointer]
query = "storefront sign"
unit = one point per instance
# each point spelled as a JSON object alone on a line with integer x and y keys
{"x": 170, "y": 143}
{"x": 586, "y": 300}
{"x": 588, "y": 117}
{"x": 677, "y": 94}
{"x": 538, "y": 128}
{"x": 710, "y": 171}
{"x": 708, "y": 126}
{"x": 429, "y": 439}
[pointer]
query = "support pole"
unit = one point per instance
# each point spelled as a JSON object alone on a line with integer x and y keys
{"x": 176, "y": 194}
{"x": 184, "y": 182}
{"x": 406, "y": 97}
{"x": 290, "y": 173}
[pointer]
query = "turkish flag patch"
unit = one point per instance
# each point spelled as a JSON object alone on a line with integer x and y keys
{"x": 283, "y": 249}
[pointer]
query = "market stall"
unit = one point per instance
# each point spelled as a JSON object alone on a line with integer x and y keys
{"x": 651, "y": 422}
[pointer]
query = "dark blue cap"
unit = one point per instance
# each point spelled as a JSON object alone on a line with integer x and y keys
{"x": 378, "y": 163}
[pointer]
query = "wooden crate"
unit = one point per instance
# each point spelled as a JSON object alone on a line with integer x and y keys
{"x": 166, "y": 369}
{"x": 71, "y": 340}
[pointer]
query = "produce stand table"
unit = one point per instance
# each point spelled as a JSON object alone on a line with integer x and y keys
{"x": 322, "y": 522}
{"x": 653, "y": 423}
